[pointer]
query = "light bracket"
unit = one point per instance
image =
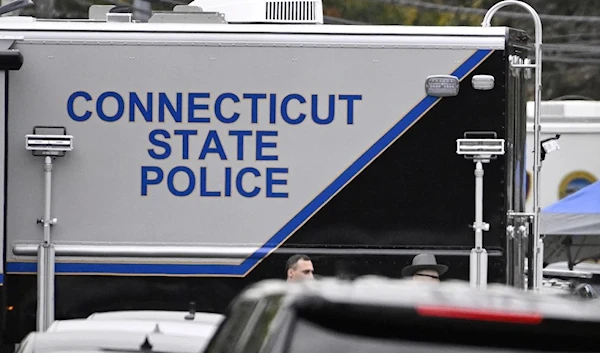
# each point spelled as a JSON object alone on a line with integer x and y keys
{"x": 49, "y": 144}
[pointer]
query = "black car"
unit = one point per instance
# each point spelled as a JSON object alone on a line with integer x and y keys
{"x": 376, "y": 314}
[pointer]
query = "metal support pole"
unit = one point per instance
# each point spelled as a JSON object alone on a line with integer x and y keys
{"x": 478, "y": 204}
{"x": 50, "y": 285}
{"x": 530, "y": 259}
{"x": 480, "y": 149}
{"x": 540, "y": 262}
{"x": 537, "y": 241}
{"x": 41, "y": 284}
{"x": 47, "y": 197}
{"x": 50, "y": 146}
{"x": 478, "y": 259}
{"x": 46, "y": 253}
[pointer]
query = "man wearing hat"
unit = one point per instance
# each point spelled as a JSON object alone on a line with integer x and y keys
{"x": 424, "y": 268}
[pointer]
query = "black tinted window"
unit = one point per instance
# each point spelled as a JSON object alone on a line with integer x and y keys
{"x": 229, "y": 333}
{"x": 309, "y": 337}
{"x": 261, "y": 329}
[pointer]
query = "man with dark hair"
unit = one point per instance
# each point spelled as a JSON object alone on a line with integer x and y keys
{"x": 299, "y": 267}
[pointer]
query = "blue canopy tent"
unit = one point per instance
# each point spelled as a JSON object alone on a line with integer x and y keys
{"x": 575, "y": 216}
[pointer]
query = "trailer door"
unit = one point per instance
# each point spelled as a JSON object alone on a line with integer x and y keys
{"x": 9, "y": 60}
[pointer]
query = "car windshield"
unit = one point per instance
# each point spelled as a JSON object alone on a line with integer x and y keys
{"x": 309, "y": 337}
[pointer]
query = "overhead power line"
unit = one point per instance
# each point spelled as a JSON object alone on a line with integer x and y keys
{"x": 572, "y": 47}
{"x": 570, "y": 60}
{"x": 586, "y": 35}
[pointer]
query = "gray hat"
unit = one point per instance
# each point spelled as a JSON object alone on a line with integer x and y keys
{"x": 424, "y": 262}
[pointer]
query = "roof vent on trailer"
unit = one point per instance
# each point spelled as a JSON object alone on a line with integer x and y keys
{"x": 265, "y": 11}
{"x": 566, "y": 109}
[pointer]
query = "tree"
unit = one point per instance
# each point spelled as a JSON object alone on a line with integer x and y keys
{"x": 571, "y": 61}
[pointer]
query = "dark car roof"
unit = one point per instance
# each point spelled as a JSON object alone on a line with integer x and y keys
{"x": 393, "y": 293}
{"x": 442, "y": 313}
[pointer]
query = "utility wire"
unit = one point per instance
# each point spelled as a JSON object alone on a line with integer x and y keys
{"x": 570, "y": 60}
{"x": 563, "y": 50}
{"x": 583, "y": 48}
{"x": 573, "y": 35}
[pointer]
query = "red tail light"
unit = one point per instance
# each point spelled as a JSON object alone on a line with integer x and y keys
{"x": 479, "y": 315}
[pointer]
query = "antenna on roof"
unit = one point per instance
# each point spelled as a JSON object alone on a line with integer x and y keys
{"x": 146, "y": 346}
{"x": 192, "y": 313}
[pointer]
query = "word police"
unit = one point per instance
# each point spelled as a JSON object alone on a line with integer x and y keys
{"x": 212, "y": 147}
{"x": 242, "y": 173}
